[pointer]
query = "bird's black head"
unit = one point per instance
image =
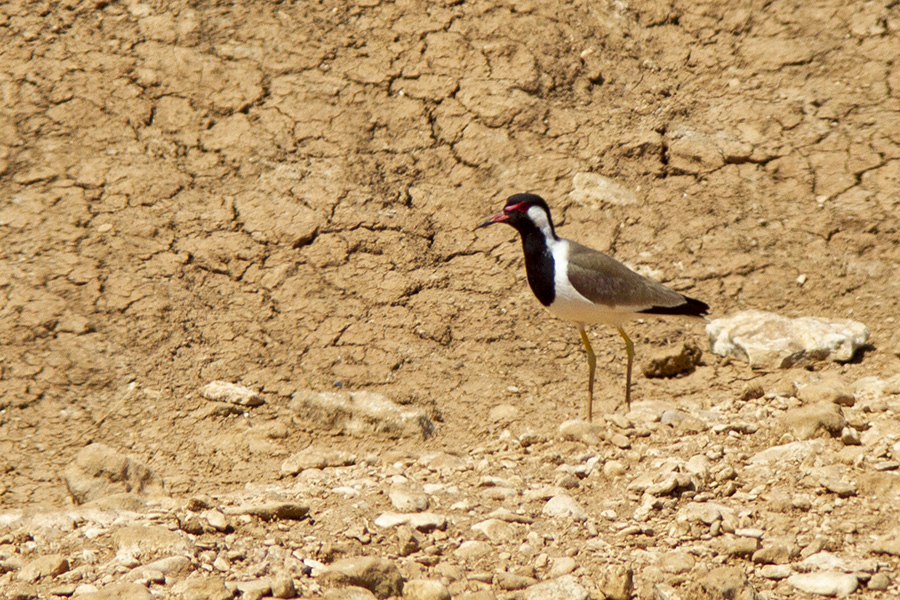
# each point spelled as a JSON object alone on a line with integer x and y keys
{"x": 523, "y": 211}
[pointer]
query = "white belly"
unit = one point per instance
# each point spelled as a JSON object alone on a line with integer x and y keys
{"x": 572, "y": 306}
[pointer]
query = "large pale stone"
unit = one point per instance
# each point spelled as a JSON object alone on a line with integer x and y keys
{"x": 99, "y": 471}
{"x": 362, "y": 413}
{"x": 767, "y": 340}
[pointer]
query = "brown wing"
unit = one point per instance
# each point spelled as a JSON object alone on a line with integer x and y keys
{"x": 607, "y": 282}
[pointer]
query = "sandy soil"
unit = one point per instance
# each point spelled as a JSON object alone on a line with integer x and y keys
{"x": 283, "y": 195}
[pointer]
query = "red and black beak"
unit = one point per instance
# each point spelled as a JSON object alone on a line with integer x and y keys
{"x": 500, "y": 217}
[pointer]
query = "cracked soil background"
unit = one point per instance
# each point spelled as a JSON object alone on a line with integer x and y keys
{"x": 283, "y": 195}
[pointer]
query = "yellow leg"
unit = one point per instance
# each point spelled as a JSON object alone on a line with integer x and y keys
{"x": 629, "y": 349}
{"x": 592, "y": 364}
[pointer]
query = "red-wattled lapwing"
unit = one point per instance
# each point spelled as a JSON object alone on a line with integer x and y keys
{"x": 584, "y": 286}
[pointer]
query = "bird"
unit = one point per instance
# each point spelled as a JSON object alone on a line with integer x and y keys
{"x": 585, "y": 286}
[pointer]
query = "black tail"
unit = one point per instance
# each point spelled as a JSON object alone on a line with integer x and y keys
{"x": 689, "y": 308}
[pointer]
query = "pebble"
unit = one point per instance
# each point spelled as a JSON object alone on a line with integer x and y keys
{"x": 739, "y": 546}
{"x": 564, "y": 506}
{"x": 497, "y": 530}
{"x": 825, "y": 583}
{"x": 582, "y": 431}
{"x": 887, "y": 544}
{"x": 283, "y": 586}
{"x": 171, "y": 566}
{"x": 560, "y": 566}
{"x": 672, "y": 361}
{"x": 349, "y": 593}
{"x": 617, "y": 583}
{"x": 203, "y": 588}
{"x": 119, "y": 591}
{"x": 776, "y": 554}
{"x": 216, "y": 519}
{"x": 271, "y": 511}
{"x": 425, "y": 589}
{"x": 150, "y": 542}
{"x": 776, "y": 572}
{"x": 563, "y": 588}
{"x": 511, "y": 581}
{"x": 424, "y": 522}
{"x": 407, "y": 501}
{"x": 879, "y": 581}
{"x": 378, "y": 575}
{"x": 613, "y": 469}
{"x": 807, "y": 422}
{"x": 99, "y": 471}
{"x": 254, "y": 590}
{"x": 43, "y": 566}
{"x": 314, "y": 457}
{"x": 232, "y": 393}
{"x": 472, "y": 550}
{"x": 825, "y": 392}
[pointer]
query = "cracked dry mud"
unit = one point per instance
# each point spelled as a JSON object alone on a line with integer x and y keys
{"x": 283, "y": 195}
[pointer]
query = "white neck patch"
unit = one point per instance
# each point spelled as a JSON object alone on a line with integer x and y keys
{"x": 541, "y": 219}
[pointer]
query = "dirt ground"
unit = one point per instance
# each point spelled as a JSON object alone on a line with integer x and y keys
{"x": 283, "y": 195}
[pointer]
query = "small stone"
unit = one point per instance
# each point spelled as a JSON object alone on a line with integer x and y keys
{"x": 349, "y": 593}
{"x": 44, "y": 566}
{"x": 676, "y": 562}
{"x": 511, "y": 581}
{"x": 254, "y": 590}
{"x": 850, "y": 437}
{"x": 776, "y": 572}
{"x": 613, "y": 469}
{"x": 271, "y": 511}
{"x": 171, "y": 566}
{"x": 232, "y": 393}
{"x": 215, "y": 519}
{"x": 564, "y": 588}
{"x": 409, "y": 540}
{"x": 424, "y": 522}
{"x": 378, "y": 575}
{"x": 582, "y": 431}
{"x": 743, "y": 547}
{"x": 119, "y": 591}
{"x": 887, "y": 544}
{"x": 563, "y": 506}
{"x": 776, "y": 554}
{"x": 671, "y": 362}
{"x": 425, "y": 589}
{"x": 314, "y": 457}
{"x": 407, "y": 501}
{"x": 496, "y": 530}
{"x": 99, "y": 471}
{"x": 879, "y": 581}
{"x": 503, "y": 413}
{"x": 620, "y": 441}
{"x": 203, "y": 588}
{"x": 721, "y": 582}
{"x": 825, "y": 392}
{"x": 150, "y": 542}
{"x": 807, "y": 422}
{"x": 561, "y": 566}
{"x": 825, "y": 583}
{"x": 617, "y": 583}
{"x": 472, "y": 550}
{"x": 283, "y": 587}
{"x": 752, "y": 391}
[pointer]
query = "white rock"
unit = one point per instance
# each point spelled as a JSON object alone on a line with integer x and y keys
{"x": 223, "y": 391}
{"x": 407, "y": 501}
{"x": 564, "y": 506}
{"x": 787, "y": 453}
{"x": 825, "y": 583}
{"x": 767, "y": 340}
{"x": 425, "y": 589}
{"x": 497, "y": 530}
{"x": 472, "y": 550}
{"x": 359, "y": 413}
{"x": 425, "y": 521}
{"x": 595, "y": 191}
{"x": 776, "y": 571}
{"x": 564, "y": 588}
